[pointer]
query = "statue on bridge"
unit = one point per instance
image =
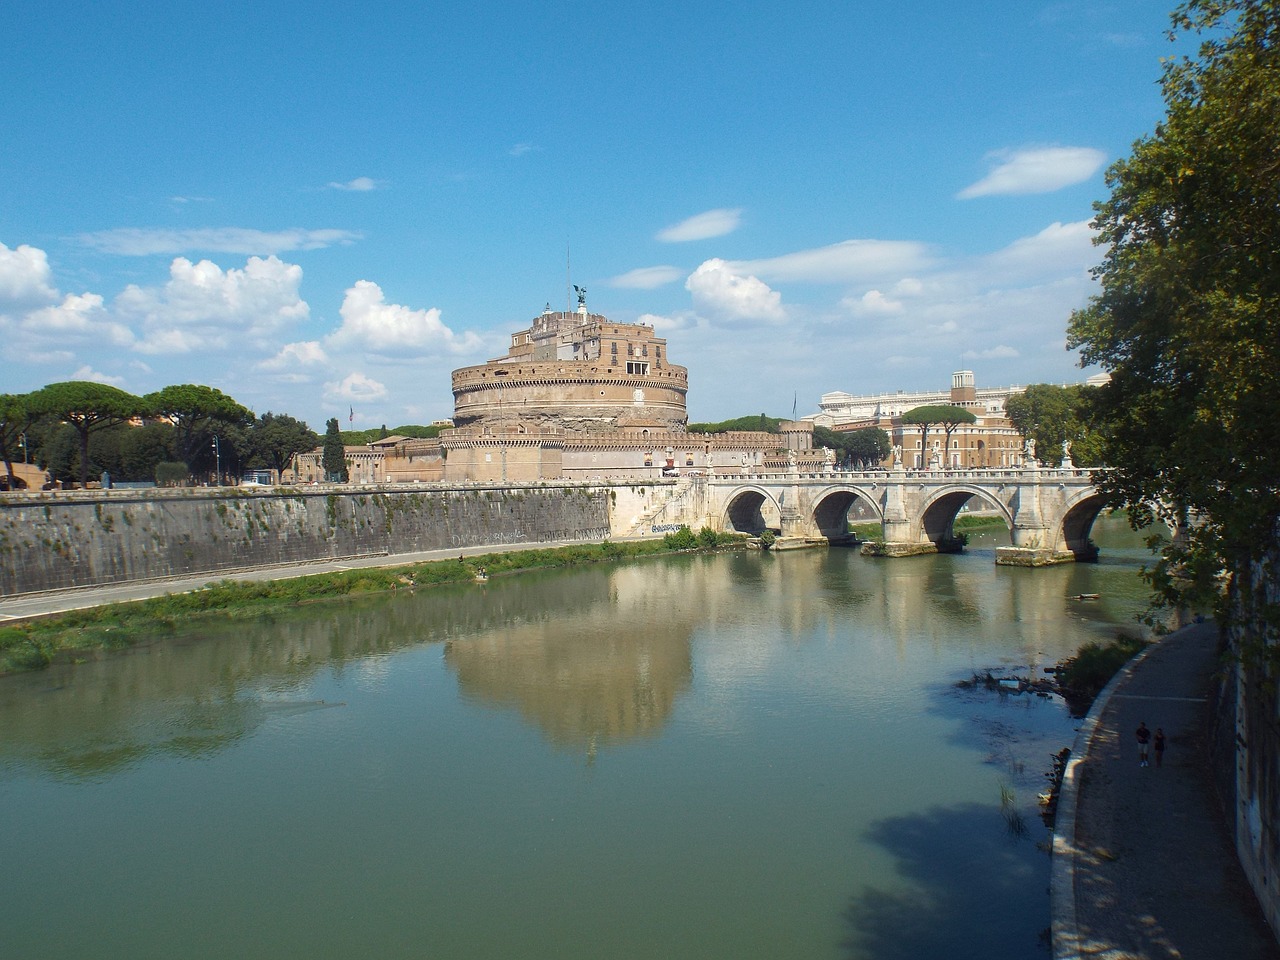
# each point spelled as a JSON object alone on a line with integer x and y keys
{"x": 1029, "y": 452}
{"x": 1066, "y": 456}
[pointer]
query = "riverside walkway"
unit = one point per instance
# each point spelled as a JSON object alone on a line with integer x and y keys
{"x": 1144, "y": 866}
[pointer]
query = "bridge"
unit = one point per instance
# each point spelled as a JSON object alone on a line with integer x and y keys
{"x": 1049, "y": 511}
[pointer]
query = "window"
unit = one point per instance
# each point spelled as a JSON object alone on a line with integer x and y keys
{"x": 637, "y": 367}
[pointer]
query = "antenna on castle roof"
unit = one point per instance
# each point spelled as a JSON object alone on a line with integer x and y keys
{"x": 568, "y": 286}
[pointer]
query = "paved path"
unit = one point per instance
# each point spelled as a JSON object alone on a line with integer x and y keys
{"x": 59, "y": 601}
{"x": 1144, "y": 868}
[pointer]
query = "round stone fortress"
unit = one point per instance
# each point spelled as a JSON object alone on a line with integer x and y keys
{"x": 578, "y": 372}
{"x": 577, "y": 397}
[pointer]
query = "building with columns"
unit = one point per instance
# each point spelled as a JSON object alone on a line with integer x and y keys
{"x": 991, "y": 441}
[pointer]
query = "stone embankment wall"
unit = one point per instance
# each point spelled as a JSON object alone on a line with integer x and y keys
{"x": 1257, "y": 729}
{"x": 57, "y": 540}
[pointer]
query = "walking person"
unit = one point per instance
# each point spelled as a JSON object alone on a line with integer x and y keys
{"x": 1157, "y": 744}
{"x": 1144, "y": 738}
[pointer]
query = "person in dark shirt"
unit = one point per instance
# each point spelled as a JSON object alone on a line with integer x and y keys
{"x": 1158, "y": 745}
{"x": 1144, "y": 738}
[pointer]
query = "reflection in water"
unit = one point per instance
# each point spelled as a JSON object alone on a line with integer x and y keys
{"x": 610, "y": 671}
{"x": 783, "y": 766}
{"x": 946, "y": 914}
{"x": 591, "y": 657}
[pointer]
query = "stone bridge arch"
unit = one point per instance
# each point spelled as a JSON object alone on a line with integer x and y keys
{"x": 831, "y": 509}
{"x": 939, "y": 511}
{"x": 1049, "y": 511}
{"x": 1077, "y": 523}
{"x": 751, "y": 510}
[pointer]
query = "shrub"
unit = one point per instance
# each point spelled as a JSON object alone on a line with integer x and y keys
{"x": 170, "y": 474}
{"x": 682, "y": 539}
{"x": 1082, "y": 677}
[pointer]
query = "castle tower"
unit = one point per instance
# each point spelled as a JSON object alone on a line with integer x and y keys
{"x": 579, "y": 372}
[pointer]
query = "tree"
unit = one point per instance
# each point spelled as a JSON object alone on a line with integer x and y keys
{"x": 829, "y": 439}
{"x": 59, "y": 453}
{"x": 275, "y": 438}
{"x": 868, "y": 447}
{"x": 418, "y": 431}
{"x": 334, "y": 456}
{"x": 953, "y": 419}
{"x": 1053, "y": 415}
{"x": 761, "y": 422}
{"x": 1187, "y": 319}
{"x": 198, "y": 414}
{"x": 142, "y": 449}
{"x": 131, "y": 452}
{"x": 87, "y": 407}
{"x": 14, "y": 420}
{"x": 945, "y": 415}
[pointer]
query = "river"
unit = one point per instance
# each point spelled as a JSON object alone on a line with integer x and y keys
{"x": 743, "y": 755}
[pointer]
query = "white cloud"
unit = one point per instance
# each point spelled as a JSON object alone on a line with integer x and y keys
{"x": 647, "y": 278}
{"x": 681, "y": 320}
{"x": 25, "y": 278}
{"x": 369, "y": 322}
{"x": 79, "y": 317}
{"x": 143, "y": 242}
{"x": 874, "y": 303}
{"x": 306, "y": 353}
{"x": 850, "y": 261}
{"x": 1000, "y": 352}
{"x": 520, "y": 149}
{"x": 39, "y": 322}
{"x": 724, "y": 294}
{"x": 355, "y": 387}
{"x": 1036, "y": 170}
{"x": 703, "y": 226}
{"x": 48, "y": 357}
{"x": 1058, "y": 248}
{"x": 204, "y": 308}
{"x": 358, "y": 185}
{"x": 88, "y": 373}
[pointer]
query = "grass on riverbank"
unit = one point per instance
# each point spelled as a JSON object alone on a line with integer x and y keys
{"x": 870, "y": 530}
{"x": 34, "y": 644}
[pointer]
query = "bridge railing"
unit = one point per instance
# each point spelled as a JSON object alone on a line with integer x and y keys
{"x": 985, "y": 475}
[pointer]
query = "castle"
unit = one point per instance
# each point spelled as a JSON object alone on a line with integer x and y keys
{"x": 576, "y": 397}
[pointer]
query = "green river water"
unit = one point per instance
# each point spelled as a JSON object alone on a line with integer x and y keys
{"x": 740, "y": 756}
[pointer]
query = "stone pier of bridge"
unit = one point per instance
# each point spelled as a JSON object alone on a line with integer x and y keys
{"x": 1049, "y": 511}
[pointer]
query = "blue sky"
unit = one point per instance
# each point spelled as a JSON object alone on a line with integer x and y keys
{"x": 319, "y": 208}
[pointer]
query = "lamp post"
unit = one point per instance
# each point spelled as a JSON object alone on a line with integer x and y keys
{"x": 217, "y": 453}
